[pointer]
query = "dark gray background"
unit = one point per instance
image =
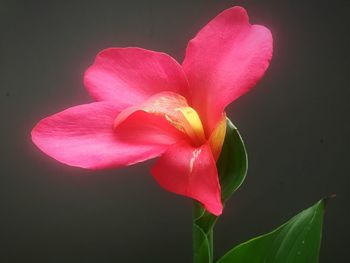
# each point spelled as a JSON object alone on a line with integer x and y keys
{"x": 295, "y": 124}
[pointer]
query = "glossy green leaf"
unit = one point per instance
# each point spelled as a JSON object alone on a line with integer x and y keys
{"x": 297, "y": 241}
{"x": 232, "y": 168}
{"x": 233, "y": 162}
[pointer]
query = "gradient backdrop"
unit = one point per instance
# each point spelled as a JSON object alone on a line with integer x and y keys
{"x": 295, "y": 124}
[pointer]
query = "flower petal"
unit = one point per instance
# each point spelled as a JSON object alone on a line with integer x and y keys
{"x": 132, "y": 75}
{"x": 190, "y": 171}
{"x": 225, "y": 59}
{"x": 84, "y": 136}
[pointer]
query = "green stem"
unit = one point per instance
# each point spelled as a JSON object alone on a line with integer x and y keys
{"x": 203, "y": 230}
{"x": 210, "y": 236}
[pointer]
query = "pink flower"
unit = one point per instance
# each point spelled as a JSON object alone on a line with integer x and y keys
{"x": 148, "y": 105}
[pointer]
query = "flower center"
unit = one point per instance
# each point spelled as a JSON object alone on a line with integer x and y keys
{"x": 186, "y": 119}
{"x": 175, "y": 109}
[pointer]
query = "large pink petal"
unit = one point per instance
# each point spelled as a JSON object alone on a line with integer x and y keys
{"x": 132, "y": 75}
{"x": 225, "y": 59}
{"x": 190, "y": 171}
{"x": 84, "y": 136}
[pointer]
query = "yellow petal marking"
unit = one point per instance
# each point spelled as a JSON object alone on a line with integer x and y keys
{"x": 217, "y": 137}
{"x": 192, "y": 124}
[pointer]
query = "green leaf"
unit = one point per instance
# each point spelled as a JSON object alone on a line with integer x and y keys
{"x": 233, "y": 162}
{"x": 297, "y": 241}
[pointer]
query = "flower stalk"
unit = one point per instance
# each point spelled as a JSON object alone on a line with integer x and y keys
{"x": 203, "y": 235}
